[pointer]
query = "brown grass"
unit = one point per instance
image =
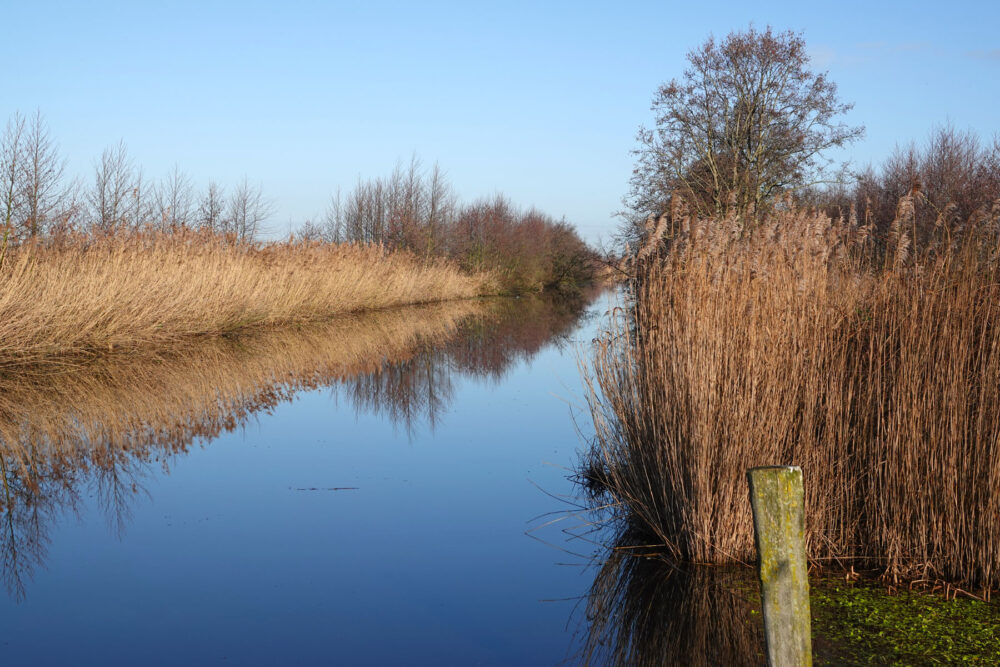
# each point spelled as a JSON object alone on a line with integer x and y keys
{"x": 794, "y": 344}
{"x": 83, "y": 294}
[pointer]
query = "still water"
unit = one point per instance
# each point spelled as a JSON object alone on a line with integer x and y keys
{"x": 371, "y": 491}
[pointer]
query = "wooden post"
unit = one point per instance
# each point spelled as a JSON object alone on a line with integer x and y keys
{"x": 779, "y": 527}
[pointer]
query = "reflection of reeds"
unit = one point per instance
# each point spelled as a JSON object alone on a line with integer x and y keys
{"x": 104, "y": 420}
{"x": 643, "y": 610}
{"x": 126, "y": 402}
{"x": 878, "y": 375}
{"x": 80, "y": 295}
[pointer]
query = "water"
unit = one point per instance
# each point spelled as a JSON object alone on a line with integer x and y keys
{"x": 359, "y": 493}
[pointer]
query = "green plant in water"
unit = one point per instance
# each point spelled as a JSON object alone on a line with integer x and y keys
{"x": 862, "y": 624}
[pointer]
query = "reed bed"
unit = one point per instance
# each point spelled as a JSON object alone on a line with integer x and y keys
{"x": 874, "y": 366}
{"x": 77, "y": 295}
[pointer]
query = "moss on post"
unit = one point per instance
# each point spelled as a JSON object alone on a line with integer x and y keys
{"x": 776, "y": 497}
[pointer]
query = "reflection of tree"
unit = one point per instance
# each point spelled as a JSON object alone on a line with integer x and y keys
{"x": 38, "y": 489}
{"x": 405, "y": 392}
{"x": 525, "y": 326}
{"x": 31, "y": 499}
{"x": 99, "y": 426}
{"x": 420, "y": 388}
{"x": 643, "y": 610}
{"x": 117, "y": 476}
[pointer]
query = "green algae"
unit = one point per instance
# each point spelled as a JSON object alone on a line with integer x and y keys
{"x": 862, "y": 624}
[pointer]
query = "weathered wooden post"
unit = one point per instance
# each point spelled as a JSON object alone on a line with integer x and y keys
{"x": 777, "y": 500}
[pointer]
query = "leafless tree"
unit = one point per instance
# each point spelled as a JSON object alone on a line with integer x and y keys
{"x": 333, "y": 219}
{"x": 747, "y": 122}
{"x": 441, "y": 205}
{"x": 310, "y": 231}
{"x": 173, "y": 200}
{"x": 246, "y": 211}
{"x": 44, "y": 194}
{"x": 11, "y": 194}
{"x": 408, "y": 195}
{"x": 953, "y": 178}
{"x": 140, "y": 209}
{"x": 116, "y": 197}
{"x": 211, "y": 208}
{"x": 412, "y": 208}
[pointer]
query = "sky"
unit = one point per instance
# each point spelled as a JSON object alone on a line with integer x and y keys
{"x": 540, "y": 101}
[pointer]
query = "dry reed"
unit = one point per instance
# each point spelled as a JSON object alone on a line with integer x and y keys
{"x": 796, "y": 344}
{"x": 82, "y": 294}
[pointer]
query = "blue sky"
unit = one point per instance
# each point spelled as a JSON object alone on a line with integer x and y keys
{"x": 538, "y": 100}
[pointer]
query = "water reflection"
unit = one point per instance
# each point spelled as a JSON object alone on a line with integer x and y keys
{"x": 420, "y": 387}
{"x": 101, "y": 427}
{"x": 643, "y": 610}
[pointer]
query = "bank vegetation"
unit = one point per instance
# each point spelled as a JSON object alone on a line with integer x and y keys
{"x": 780, "y": 312}
{"x": 872, "y": 363}
{"x": 126, "y": 261}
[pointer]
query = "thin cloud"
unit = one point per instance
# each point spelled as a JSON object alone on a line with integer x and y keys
{"x": 984, "y": 54}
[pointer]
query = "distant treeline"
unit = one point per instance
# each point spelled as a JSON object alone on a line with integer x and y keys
{"x": 37, "y": 199}
{"x": 417, "y": 209}
{"x": 413, "y": 209}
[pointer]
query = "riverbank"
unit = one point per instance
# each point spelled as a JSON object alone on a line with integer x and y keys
{"x": 81, "y": 295}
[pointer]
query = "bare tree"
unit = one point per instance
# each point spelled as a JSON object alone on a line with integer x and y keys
{"x": 44, "y": 195}
{"x": 952, "y": 178}
{"x": 333, "y": 220}
{"x": 310, "y": 231}
{"x": 211, "y": 208}
{"x": 116, "y": 197}
{"x": 441, "y": 205}
{"x": 11, "y": 194}
{"x": 247, "y": 210}
{"x": 140, "y": 205}
{"x": 173, "y": 200}
{"x": 747, "y": 122}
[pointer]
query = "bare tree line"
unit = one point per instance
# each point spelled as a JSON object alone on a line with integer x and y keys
{"x": 37, "y": 199}
{"x": 415, "y": 208}
{"x": 411, "y": 208}
{"x": 953, "y": 178}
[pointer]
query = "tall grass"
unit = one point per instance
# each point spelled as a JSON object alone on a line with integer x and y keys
{"x": 795, "y": 343}
{"x": 80, "y": 294}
